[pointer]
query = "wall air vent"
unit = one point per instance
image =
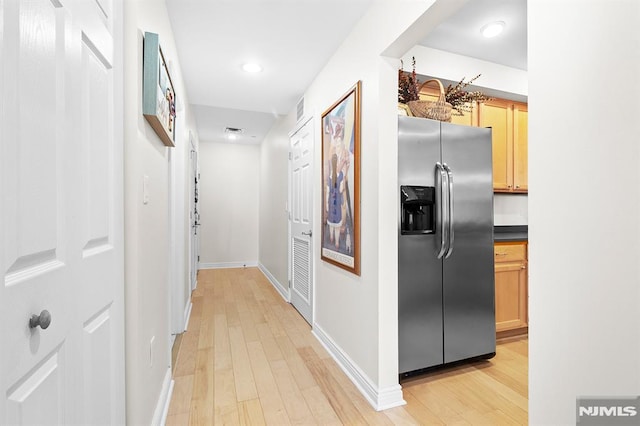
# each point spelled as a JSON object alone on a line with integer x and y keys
{"x": 300, "y": 110}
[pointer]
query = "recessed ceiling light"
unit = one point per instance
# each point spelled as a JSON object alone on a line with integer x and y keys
{"x": 492, "y": 29}
{"x": 251, "y": 67}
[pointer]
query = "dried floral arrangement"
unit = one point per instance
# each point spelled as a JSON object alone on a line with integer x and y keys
{"x": 408, "y": 84}
{"x": 461, "y": 101}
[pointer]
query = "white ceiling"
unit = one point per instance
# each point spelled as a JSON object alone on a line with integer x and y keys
{"x": 292, "y": 40}
{"x": 461, "y": 32}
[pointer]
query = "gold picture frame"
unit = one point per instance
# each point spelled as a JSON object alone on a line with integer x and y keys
{"x": 340, "y": 244}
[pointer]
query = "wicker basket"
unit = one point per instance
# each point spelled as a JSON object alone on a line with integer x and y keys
{"x": 436, "y": 110}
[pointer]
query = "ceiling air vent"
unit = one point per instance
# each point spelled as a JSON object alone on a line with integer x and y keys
{"x": 300, "y": 110}
{"x": 233, "y": 132}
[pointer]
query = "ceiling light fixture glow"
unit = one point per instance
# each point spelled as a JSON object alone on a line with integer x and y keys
{"x": 492, "y": 29}
{"x": 251, "y": 67}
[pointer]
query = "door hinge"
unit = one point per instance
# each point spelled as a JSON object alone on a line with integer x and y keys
{"x": 290, "y": 156}
{"x": 198, "y": 258}
{"x": 289, "y": 283}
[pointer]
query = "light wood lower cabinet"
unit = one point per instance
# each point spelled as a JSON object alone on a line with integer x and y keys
{"x": 511, "y": 288}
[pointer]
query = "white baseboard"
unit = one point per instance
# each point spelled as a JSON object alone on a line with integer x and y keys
{"x": 380, "y": 399}
{"x": 187, "y": 315}
{"x": 390, "y": 397}
{"x": 223, "y": 265}
{"x": 162, "y": 407}
{"x": 195, "y": 283}
{"x": 284, "y": 291}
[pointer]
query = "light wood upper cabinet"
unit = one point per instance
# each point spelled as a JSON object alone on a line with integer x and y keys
{"x": 520, "y": 147}
{"x": 508, "y": 121}
{"x": 497, "y": 114}
{"x": 511, "y": 287}
{"x": 468, "y": 118}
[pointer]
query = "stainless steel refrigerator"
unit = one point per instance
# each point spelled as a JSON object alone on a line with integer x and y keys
{"x": 446, "y": 290}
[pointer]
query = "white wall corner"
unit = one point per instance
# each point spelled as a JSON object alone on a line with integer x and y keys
{"x": 380, "y": 399}
{"x": 284, "y": 291}
{"x": 162, "y": 407}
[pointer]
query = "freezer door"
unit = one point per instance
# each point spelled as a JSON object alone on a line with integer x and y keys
{"x": 468, "y": 275}
{"x": 419, "y": 271}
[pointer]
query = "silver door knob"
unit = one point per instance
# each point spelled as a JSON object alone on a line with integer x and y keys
{"x": 308, "y": 233}
{"x": 43, "y": 320}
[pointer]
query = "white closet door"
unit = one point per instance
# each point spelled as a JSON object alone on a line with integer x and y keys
{"x": 61, "y": 213}
{"x": 301, "y": 245}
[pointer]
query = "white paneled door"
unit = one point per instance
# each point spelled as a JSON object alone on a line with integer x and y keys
{"x": 301, "y": 214}
{"x": 61, "y": 252}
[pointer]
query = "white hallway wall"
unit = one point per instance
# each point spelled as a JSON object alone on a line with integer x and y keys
{"x": 229, "y": 191}
{"x": 584, "y": 216}
{"x": 148, "y": 241}
{"x": 451, "y": 66}
{"x": 274, "y": 163}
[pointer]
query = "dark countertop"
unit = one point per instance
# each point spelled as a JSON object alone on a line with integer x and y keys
{"x": 511, "y": 233}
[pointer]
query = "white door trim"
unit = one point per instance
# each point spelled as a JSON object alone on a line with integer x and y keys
{"x": 179, "y": 299}
{"x": 194, "y": 215}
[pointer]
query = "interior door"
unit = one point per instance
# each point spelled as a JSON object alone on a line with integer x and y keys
{"x": 195, "y": 216}
{"x": 301, "y": 224}
{"x": 61, "y": 253}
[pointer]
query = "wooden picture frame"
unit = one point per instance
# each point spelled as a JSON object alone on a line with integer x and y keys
{"x": 158, "y": 94}
{"x": 340, "y": 244}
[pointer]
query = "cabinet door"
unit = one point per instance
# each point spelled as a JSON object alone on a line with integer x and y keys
{"x": 497, "y": 115}
{"x": 468, "y": 118}
{"x": 520, "y": 147}
{"x": 510, "y": 252}
{"x": 511, "y": 295}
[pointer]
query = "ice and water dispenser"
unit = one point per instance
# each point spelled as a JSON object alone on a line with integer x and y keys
{"x": 418, "y": 209}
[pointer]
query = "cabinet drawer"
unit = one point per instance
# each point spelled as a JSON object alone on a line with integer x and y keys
{"x": 510, "y": 252}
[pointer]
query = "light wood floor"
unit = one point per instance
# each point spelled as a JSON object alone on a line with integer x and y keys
{"x": 248, "y": 358}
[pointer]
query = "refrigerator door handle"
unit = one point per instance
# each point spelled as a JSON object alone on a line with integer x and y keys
{"x": 450, "y": 209}
{"x": 443, "y": 203}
